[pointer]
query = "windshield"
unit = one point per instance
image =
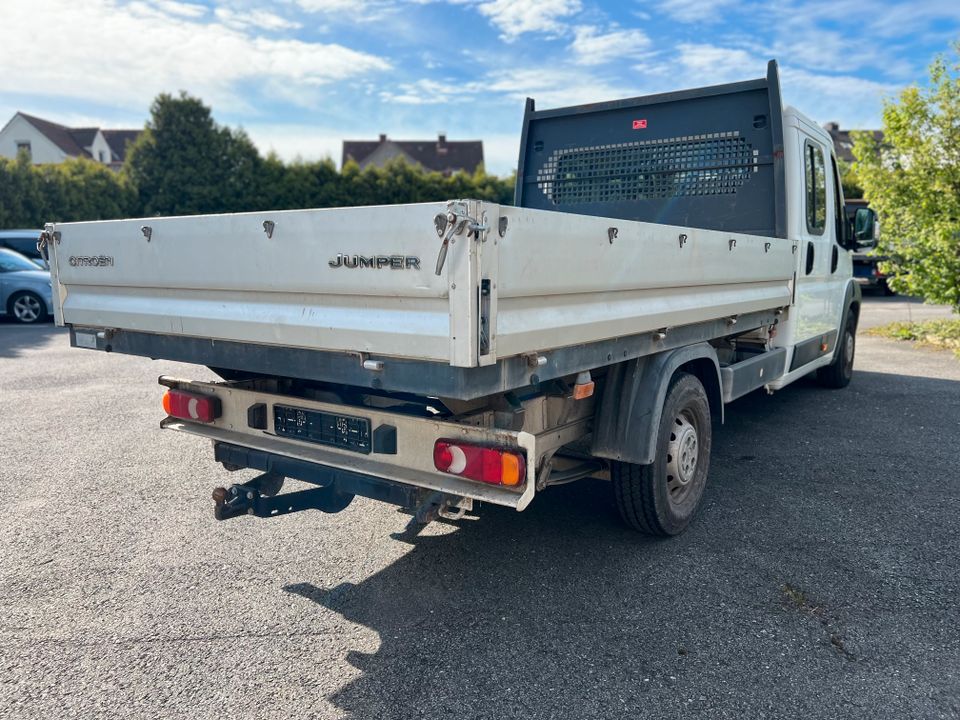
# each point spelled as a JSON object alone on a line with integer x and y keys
{"x": 11, "y": 262}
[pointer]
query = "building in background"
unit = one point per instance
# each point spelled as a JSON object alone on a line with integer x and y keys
{"x": 843, "y": 143}
{"x": 440, "y": 155}
{"x": 49, "y": 142}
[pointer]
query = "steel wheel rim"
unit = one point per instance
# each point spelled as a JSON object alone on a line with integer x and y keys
{"x": 683, "y": 453}
{"x": 848, "y": 352}
{"x": 26, "y": 308}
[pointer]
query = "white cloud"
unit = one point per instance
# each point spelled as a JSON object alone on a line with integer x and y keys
{"x": 852, "y": 101}
{"x": 327, "y": 6}
{"x": 551, "y": 86}
{"x": 123, "y": 55}
{"x": 712, "y": 64}
{"x": 431, "y": 92}
{"x": 353, "y": 11}
{"x": 591, "y": 47}
{"x": 256, "y": 18}
{"x": 515, "y": 17}
{"x": 187, "y": 10}
{"x": 696, "y": 11}
{"x": 555, "y": 86}
{"x": 883, "y": 18}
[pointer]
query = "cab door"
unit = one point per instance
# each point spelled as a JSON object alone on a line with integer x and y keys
{"x": 819, "y": 269}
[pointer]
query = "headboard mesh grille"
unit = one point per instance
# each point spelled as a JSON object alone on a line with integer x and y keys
{"x": 711, "y": 164}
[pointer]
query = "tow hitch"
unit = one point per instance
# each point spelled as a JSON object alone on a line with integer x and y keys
{"x": 259, "y": 498}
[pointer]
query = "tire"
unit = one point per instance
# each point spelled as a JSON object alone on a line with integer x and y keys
{"x": 662, "y": 498}
{"x": 887, "y": 290}
{"x": 27, "y": 308}
{"x": 838, "y": 374}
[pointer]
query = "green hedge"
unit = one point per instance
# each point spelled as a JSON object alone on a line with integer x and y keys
{"x": 31, "y": 195}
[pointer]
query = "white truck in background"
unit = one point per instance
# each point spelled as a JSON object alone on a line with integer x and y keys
{"x": 666, "y": 255}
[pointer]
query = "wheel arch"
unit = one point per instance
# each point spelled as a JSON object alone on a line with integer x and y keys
{"x": 628, "y": 416}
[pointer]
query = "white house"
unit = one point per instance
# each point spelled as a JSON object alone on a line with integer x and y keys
{"x": 50, "y": 142}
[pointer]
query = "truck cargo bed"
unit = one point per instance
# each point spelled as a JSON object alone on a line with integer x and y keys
{"x": 550, "y": 280}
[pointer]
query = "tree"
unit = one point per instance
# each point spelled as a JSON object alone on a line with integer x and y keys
{"x": 82, "y": 189}
{"x": 912, "y": 179}
{"x": 848, "y": 178}
{"x": 19, "y": 193}
{"x": 184, "y": 163}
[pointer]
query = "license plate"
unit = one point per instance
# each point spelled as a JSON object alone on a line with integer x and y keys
{"x": 343, "y": 431}
{"x": 85, "y": 340}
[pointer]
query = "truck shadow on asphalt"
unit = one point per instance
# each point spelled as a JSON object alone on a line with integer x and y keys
{"x": 15, "y": 338}
{"x": 560, "y": 611}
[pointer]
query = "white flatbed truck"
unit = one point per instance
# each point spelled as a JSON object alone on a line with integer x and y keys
{"x": 666, "y": 255}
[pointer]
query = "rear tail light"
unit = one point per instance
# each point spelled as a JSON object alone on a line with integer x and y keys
{"x": 474, "y": 462}
{"x": 190, "y": 406}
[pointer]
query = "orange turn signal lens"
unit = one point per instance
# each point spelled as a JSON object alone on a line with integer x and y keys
{"x": 581, "y": 391}
{"x": 511, "y": 472}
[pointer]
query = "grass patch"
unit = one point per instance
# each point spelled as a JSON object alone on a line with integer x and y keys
{"x": 943, "y": 333}
{"x": 794, "y": 596}
{"x": 797, "y": 599}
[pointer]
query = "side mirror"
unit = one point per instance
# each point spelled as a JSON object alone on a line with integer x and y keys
{"x": 865, "y": 228}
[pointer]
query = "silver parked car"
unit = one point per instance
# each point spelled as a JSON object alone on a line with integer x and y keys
{"x": 25, "y": 292}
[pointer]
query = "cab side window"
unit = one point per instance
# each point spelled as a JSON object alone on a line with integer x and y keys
{"x": 840, "y": 218}
{"x": 815, "y": 188}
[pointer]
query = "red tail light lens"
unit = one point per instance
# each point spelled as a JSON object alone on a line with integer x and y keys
{"x": 474, "y": 462}
{"x": 190, "y": 406}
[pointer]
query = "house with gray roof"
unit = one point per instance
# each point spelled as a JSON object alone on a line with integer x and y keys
{"x": 843, "y": 143}
{"x": 440, "y": 155}
{"x": 45, "y": 141}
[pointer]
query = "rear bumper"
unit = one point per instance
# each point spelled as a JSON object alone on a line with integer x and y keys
{"x": 408, "y": 462}
{"x": 871, "y": 282}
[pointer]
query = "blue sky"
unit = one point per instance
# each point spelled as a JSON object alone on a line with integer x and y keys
{"x": 302, "y": 75}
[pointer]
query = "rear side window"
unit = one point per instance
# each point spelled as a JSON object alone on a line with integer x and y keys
{"x": 25, "y": 246}
{"x": 815, "y": 188}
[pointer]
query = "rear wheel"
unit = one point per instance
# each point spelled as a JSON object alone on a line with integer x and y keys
{"x": 662, "y": 498}
{"x": 839, "y": 373}
{"x": 26, "y": 307}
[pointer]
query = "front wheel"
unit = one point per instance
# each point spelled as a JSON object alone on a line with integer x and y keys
{"x": 662, "y": 498}
{"x": 839, "y": 372}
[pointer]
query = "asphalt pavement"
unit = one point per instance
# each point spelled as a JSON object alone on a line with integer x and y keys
{"x": 820, "y": 580}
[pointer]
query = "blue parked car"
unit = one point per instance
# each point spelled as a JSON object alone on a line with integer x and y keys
{"x": 25, "y": 292}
